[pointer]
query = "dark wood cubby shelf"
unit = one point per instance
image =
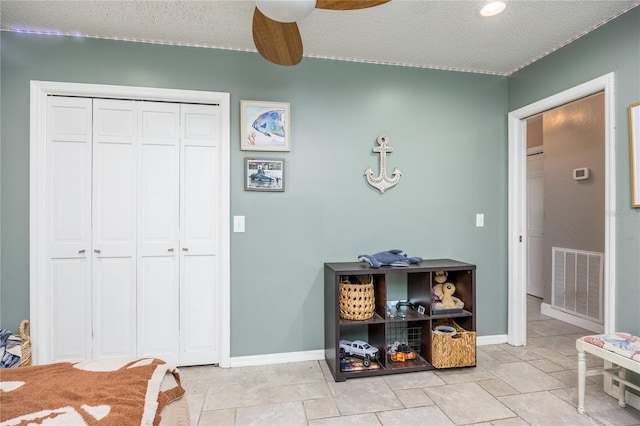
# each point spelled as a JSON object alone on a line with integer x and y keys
{"x": 381, "y": 328}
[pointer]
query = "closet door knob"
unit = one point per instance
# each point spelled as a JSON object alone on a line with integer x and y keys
{"x": 170, "y": 250}
{"x": 81, "y": 251}
{"x": 185, "y": 249}
{"x": 97, "y": 251}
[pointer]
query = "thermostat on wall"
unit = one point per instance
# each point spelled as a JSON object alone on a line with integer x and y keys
{"x": 581, "y": 173}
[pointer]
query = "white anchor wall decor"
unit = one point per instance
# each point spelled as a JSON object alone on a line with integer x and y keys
{"x": 383, "y": 182}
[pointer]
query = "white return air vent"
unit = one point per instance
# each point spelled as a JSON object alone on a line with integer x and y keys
{"x": 576, "y": 287}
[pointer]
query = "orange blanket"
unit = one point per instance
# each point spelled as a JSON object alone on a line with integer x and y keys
{"x": 98, "y": 392}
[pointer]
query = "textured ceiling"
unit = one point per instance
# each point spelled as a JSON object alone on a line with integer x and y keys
{"x": 420, "y": 33}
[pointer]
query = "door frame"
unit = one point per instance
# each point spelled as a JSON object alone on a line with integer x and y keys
{"x": 37, "y": 222}
{"x": 517, "y": 247}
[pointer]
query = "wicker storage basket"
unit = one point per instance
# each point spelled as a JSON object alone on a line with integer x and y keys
{"x": 357, "y": 301}
{"x": 25, "y": 348}
{"x": 449, "y": 351}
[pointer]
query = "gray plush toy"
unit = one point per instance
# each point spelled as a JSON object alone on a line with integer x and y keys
{"x": 393, "y": 257}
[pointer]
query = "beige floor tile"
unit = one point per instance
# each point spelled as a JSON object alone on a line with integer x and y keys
{"x": 288, "y": 413}
{"x": 546, "y": 365}
{"x": 366, "y": 395}
{"x": 522, "y": 353}
{"x": 299, "y": 392}
{"x": 354, "y": 420}
{"x": 423, "y": 416}
{"x": 525, "y": 378}
{"x": 412, "y": 398}
{"x": 320, "y": 408}
{"x": 195, "y": 403}
{"x": 468, "y": 403}
{"x": 544, "y": 408}
{"x": 464, "y": 375}
{"x": 497, "y": 387}
{"x": 236, "y": 395}
{"x": 514, "y": 421}
{"x": 421, "y": 379}
{"x": 504, "y": 356}
{"x": 217, "y": 418}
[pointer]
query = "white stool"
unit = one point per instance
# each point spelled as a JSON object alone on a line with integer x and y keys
{"x": 621, "y": 349}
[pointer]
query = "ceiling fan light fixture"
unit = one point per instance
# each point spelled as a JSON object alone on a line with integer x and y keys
{"x": 492, "y": 8}
{"x": 286, "y": 10}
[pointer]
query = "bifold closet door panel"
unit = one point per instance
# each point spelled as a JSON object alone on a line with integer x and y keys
{"x": 67, "y": 293}
{"x": 158, "y": 222}
{"x": 199, "y": 289}
{"x": 115, "y": 169}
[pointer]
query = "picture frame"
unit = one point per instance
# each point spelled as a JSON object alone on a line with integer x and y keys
{"x": 265, "y": 126}
{"x": 421, "y": 309}
{"x": 264, "y": 174}
{"x": 634, "y": 152}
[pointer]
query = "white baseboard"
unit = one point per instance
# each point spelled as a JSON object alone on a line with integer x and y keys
{"x": 491, "y": 340}
{"x": 318, "y": 355}
{"x": 281, "y": 358}
{"x": 550, "y": 311}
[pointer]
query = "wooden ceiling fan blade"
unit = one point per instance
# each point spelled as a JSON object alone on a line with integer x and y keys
{"x": 277, "y": 42}
{"x": 348, "y": 4}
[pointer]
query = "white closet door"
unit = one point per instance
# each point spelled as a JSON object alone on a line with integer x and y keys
{"x": 114, "y": 227}
{"x": 158, "y": 221}
{"x": 199, "y": 289}
{"x": 68, "y": 209}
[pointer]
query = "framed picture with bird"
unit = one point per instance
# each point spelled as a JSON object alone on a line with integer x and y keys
{"x": 265, "y": 126}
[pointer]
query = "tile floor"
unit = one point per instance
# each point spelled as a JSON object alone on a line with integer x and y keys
{"x": 531, "y": 385}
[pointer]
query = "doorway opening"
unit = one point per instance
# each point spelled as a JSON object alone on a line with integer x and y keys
{"x": 565, "y": 211}
{"x": 517, "y": 232}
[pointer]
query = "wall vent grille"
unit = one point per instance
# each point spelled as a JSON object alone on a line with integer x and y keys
{"x": 577, "y": 278}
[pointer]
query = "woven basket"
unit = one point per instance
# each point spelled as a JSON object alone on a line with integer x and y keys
{"x": 25, "y": 360}
{"x": 449, "y": 351}
{"x": 357, "y": 301}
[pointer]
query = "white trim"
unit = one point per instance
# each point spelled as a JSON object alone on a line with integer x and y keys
{"x": 550, "y": 311}
{"x": 39, "y": 92}
{"x": 319, "y": 355}
{"x": 517, "y": 274}
{"x": 281, "y": 358}
{"x": 535, "y": 150}
{"x": 496, "y": 339}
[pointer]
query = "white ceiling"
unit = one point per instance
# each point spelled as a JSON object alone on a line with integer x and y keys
{"x": 421, "y": 33}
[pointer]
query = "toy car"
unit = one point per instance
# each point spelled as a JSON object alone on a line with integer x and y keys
{"x": 403, "y": 356}
{"x": 360, "y": 349}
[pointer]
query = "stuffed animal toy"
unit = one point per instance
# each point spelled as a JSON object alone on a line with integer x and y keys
{"x": 443, "y": 292}
{"x": 440, "y": 277}
{"x": 390, "y": 257}
{"x": 448, "y": 299}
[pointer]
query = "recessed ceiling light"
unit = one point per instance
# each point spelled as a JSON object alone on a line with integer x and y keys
{"x": 493, "y": 8}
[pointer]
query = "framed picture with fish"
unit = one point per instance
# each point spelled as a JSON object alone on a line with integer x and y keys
{"x": 264, "y": 174}
{"x": 265, "y": 126}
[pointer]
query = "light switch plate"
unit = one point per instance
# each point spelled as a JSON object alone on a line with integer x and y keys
{"x": 238, "y": 224}
{"x": 479, "y": 220}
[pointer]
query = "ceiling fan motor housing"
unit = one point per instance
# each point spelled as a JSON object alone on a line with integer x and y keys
{"x": 286, "y": 10}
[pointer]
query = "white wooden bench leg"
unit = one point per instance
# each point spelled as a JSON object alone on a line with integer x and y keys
{"x": 621, "y": 387}
{"x": 582, "y": 376}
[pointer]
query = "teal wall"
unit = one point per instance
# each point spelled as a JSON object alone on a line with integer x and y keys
{"x": 448, "y": 130}
{"x": 615, "y": 47}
